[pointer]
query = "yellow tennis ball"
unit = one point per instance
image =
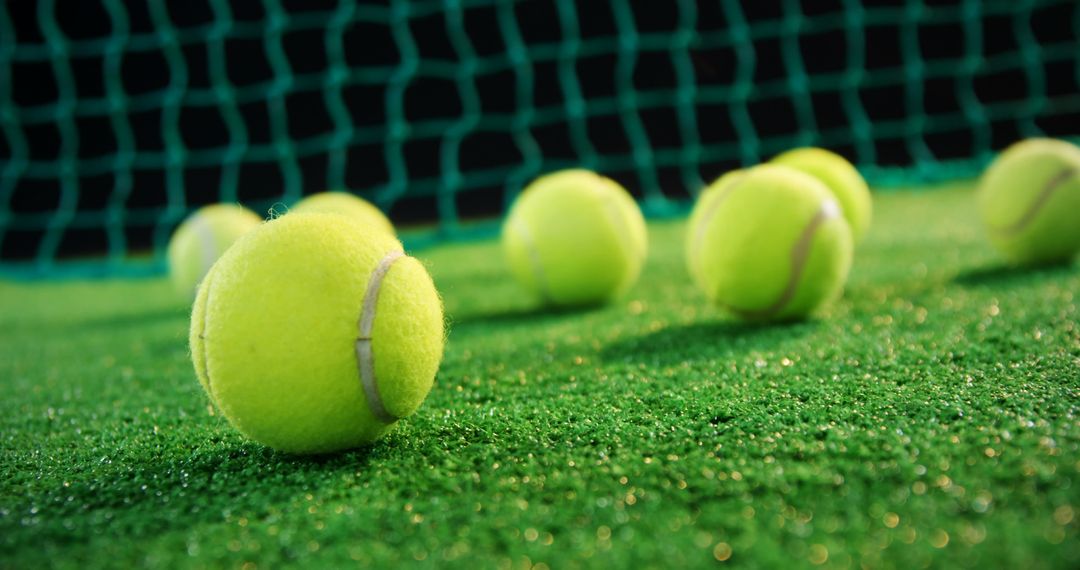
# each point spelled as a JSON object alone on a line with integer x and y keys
{"x": 705, "y": 205}
{"x": 345, "y": 204}
{"x": 769, "y": 243}
{"x": 575, "y": 238}
{"x": 202, "y": 238}
{"x": 312, "y": 334}
{"x": 841, "y": 177}
{"x": 1029, "y": 199}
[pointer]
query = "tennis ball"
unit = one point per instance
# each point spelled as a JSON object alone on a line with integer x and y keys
{"x": 312, "y": 334}
{"x": 841, "y": 177}
{"x": 575, "y": 238}
{"x": 201, "y": 239}
{"x": 705, "y": 204}
{"x": 1029, "y": 200}
{"x": 769, "y": 243}
{"x": 345, "y": 204}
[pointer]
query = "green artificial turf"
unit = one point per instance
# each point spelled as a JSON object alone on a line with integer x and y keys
{"x": 930, "y": 417}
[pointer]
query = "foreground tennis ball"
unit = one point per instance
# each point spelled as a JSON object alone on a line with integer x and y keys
{"x": 345, "y": 204}
{"x": 841, "y": 177}
{"x": 312, "y": 334}
{"x": 201, "y": 239}
{"x": 1029, "y": 199}
{"x": 769, "y": 243}
{"x": 575, "y": 238}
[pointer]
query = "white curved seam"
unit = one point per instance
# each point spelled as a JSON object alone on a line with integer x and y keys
{"x": 800, "y": 252}
{"x": 205, "y": 345}
{"x": 621, "y": 226}
{"x": 706, "y": 219}
{"x": 534, "y": 258}
{"x": 207, "y": 244}
{"x": 622, "y": 238}
{"x": 1047, "y": 191}
{"x": 365, "y": 356}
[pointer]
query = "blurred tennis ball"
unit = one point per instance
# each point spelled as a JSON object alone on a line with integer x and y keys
{"x": 705, "y": 205}
{"x": 1029, "y": 200}
{"x": 347, "y": 205}
{"x": 769, "y": 243}
{"x": 314, "y": 335}
{"x": 841, "y": 177}
{"x": 201, "y": 239}
{"x": 575, "y": 238}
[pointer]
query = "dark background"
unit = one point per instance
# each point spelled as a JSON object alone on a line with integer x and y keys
{"x": 370, "y": 45}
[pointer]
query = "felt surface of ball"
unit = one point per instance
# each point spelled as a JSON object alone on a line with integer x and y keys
{"x": 345, "y": 204}
{"x": 312, "y": 334}
{"x": 768, "y": 243}
{"x": 841, "y": 177}
{"x": 1029, "y": 201}
{"x": 575, "y": 238}
{"x": 201, "y": 239}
